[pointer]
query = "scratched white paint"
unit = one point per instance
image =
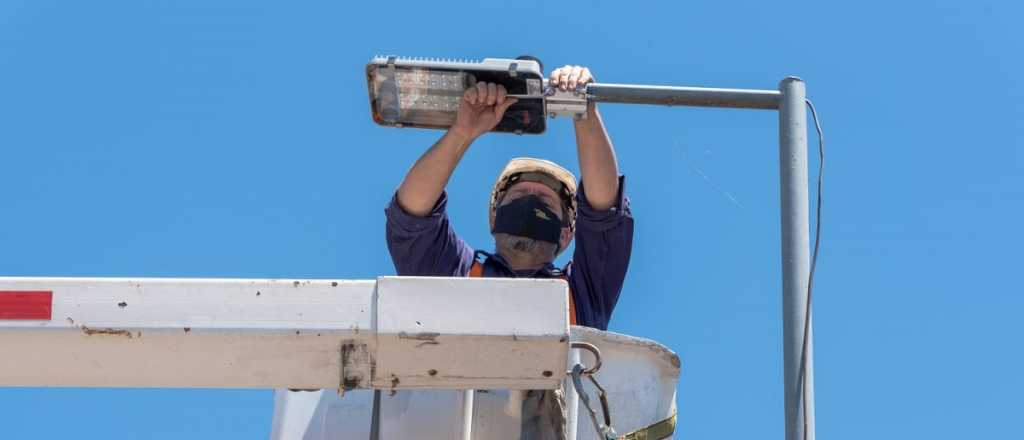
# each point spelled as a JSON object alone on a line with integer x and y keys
{"x": 639, "y": 375}
{"x": 223, "y": 333}
{"x": 512, "y": 332}
{"x": 184, "y": 332}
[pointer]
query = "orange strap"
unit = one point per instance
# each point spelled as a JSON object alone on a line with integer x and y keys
{"x": 477, "y": 271}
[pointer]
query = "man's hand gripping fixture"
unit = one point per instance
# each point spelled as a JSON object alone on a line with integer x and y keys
{"x": 426, "y": 93}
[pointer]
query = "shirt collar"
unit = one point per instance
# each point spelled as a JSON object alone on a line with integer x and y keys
{"x": 548, "y": 271}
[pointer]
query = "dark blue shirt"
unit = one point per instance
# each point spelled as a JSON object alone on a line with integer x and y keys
{"x": 429, "y": 246}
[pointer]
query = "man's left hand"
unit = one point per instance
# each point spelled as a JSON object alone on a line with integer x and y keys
{"x": 570, "y": 77}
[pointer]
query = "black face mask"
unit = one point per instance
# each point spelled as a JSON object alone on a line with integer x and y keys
{"x": 528, "y": 216}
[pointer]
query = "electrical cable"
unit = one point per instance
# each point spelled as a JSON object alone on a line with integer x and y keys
{"x": 802, "y": 377}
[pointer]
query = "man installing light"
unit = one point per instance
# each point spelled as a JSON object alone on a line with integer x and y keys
{"x": 536, "y": 209}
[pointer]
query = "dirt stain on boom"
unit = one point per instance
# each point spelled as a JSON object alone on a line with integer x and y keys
{"x": 106, "y": 331}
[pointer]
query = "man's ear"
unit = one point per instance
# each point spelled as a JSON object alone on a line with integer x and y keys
{"x": 564, "y": 239}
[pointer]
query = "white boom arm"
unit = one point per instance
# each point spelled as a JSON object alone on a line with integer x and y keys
{"x": 392, "y": 333}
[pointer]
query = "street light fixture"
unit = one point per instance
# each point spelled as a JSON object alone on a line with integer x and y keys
{"x": 425, "y": 93}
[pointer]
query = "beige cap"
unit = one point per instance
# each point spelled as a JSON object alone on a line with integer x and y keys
{"x": 528, "y": 169}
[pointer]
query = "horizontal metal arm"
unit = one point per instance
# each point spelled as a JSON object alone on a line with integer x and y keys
{"x": 684, "y": 96}
{"x": 390, "y": 333}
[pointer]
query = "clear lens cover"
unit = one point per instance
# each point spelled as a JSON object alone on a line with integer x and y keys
{"x": 418, "y": 96}
{"x": 429, "y": 96}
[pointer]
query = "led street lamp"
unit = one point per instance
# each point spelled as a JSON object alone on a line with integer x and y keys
{"x": 425, "y": 93}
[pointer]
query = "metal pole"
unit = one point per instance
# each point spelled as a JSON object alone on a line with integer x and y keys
{"x": 572, "y": 400}
{"x": 375, "y": 417}
{"x": 795, "y": 259}
{"x": 684, "y": 96}
{"x": 467, "y": 414}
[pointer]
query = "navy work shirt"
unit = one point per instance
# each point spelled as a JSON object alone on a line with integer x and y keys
{"x": 429, "y": 246}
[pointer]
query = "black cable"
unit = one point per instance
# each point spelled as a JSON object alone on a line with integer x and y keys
{"x": 814, "y": 261}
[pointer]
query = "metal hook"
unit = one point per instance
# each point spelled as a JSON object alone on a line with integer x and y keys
{"x": 593, "y": 350}
{"x": 604, "y": 430}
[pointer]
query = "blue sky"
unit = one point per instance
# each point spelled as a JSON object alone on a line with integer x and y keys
{"x": 233, "y": 139}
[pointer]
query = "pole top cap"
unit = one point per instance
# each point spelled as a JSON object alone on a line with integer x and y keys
{"x": 791, "y": 78}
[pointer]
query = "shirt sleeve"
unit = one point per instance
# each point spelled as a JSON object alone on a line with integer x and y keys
{"x": 426, "y": 246}
{"x": 604, "y": 241}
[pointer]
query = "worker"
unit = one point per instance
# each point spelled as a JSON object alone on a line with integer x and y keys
{"x": 536, "y": 209}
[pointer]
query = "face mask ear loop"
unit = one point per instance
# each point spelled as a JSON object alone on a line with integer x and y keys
{"x": 565, "y": 223}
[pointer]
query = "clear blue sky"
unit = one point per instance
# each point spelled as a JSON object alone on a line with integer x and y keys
{"x": 233, "y": 139}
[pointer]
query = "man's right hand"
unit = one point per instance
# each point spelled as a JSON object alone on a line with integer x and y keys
{"x": 480, "y": 110}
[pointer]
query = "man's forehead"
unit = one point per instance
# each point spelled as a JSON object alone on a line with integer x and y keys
{"x": 533, "y": 188}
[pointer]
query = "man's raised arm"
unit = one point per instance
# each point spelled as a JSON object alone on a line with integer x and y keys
{"x": 480, "y": 110}
{"x": 599, "y": 168}
{"x": 604, "y": 236}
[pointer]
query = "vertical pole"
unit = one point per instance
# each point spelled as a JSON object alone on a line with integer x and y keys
{"x": 467, "y": 414}
{"x": 572, "y": 400}
{"x": 375, "y": 417}
{"x": 795, "y": 259}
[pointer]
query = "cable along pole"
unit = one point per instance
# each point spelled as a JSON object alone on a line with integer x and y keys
{"x": 798, "y": 371}
{"x": 789, "y": 100}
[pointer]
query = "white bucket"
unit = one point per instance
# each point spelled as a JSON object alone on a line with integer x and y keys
{"x": 639, "y": 376}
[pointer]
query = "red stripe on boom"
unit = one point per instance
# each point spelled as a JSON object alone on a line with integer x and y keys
{"x": 26, "y": 304}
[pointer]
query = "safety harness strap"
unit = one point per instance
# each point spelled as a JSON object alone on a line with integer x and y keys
{"x": 658, "y": 431}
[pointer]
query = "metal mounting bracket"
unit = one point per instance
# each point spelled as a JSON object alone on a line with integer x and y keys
{"x": 570, "y": 103}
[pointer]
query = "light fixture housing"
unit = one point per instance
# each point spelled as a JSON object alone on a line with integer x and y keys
{"x": 425, "y": 93}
